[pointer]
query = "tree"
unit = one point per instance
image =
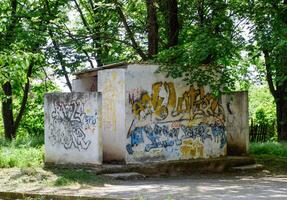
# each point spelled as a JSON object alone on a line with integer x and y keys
{"x": 269, "y": 18}
{"x": 21, "y": 40}
{"x": 209, "y": 44}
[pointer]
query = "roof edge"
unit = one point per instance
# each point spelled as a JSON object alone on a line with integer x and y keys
{"x": 109, "y": 66}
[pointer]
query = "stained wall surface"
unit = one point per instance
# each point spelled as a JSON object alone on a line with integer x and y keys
{"x": 236, "y": 111}
{"x": 87, "y": 84}
{"x": 168, "y": 120}
{"x": 72, "y": 128}
{"x": 111, "y": 82}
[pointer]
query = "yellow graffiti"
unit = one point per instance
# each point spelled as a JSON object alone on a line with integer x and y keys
{"x": 194, "y": 102}
{"x": 192, "y": 149}
{"x": 110, "y": 98}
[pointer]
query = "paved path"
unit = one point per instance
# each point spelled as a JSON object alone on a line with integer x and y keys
{"x": 195, "y": 187}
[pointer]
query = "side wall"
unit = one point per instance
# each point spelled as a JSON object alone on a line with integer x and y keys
{"x": 168, "y": 120}
{"x": 111, "y": 84}
{"x": 236, "y": 112}
{"x": 88, "y": 84}
{"x": 72, "y": 128}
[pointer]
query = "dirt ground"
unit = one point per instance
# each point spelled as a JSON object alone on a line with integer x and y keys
{"x": 255, "y": 185}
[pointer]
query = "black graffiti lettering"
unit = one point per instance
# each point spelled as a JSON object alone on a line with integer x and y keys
{"x": 66, "y": 127}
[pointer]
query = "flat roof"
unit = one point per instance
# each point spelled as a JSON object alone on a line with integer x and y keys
{"x": 93, "y": 71}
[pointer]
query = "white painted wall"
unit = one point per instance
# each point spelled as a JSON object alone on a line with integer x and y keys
{"x": 236, "y": 111}
{"x": 72, "y": 128}
{"x": 111, "y": 82}
{"x": 164, "y": 130}
{"x": 87, "y": 84}
{"x": 149, "y": 117}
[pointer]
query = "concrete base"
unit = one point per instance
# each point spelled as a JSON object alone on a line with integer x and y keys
{"x": 254, "y": 167}
{"x": 18, "y": 195}
{"x": 170, "y": 168}
{"x": 180, "y": 167}
{"x": 125, "y": 176}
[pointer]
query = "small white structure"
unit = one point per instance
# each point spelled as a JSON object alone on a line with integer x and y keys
{"x": 147, "y": 117}
{"x": 72, "y": 128}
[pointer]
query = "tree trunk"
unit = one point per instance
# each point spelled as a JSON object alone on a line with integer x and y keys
{"x": 152, "y": 28}
{"x": 281, "y": 112}
{"x": 279, "y": 93}
{"x": 173, "y": 25}
{"x": 7, "y": 111}
{"x": 24, "y": 99}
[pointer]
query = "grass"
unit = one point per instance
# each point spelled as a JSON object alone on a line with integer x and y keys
{"x": 269, "y": 148}
{"x": 272, "y": 155}
{"x": 71, "y": 176}
{"x": 24, "y": 152}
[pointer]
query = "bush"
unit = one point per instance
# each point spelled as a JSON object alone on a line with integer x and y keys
{"x": 269, "y": 148}
{"x": 262, "y": 110}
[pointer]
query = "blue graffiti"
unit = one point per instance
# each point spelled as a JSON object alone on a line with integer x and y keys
{"x": 136, "y": 138}
{"x": 91, "y": 119}
{"x": 218, "y": 132}
{"x": 163, "y": 137}
{"x": 193, "y": 132}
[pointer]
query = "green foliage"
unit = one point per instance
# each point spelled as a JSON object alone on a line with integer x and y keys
{"x": 270, "y": 148}
{"x": 209, "y": 48}
{"x": 262, "y": 110}
{"x": 272, "y": 155}
{"x": 28, "y": 152}
{"x": 33, "y": 120}
{"x": 261, "y": 105}
{"x": 68, "y": 177}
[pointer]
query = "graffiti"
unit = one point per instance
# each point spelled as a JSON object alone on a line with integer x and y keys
{"x": 68, "y": 120}
{"x": 173, "y": 123}
{"x": 192, "y": 148}
{"x": 136, "y": 138}
{"x": 218, "y": 132}
{"x": 157, "y": 137}
{"x": 91, "y": 119}
{"x": 190, "y": 140}
{"x": 200, "y": 131}
{"x": 112, "y": 86}
{"x": 163, "y": 102}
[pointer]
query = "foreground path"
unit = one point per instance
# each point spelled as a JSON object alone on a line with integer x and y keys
{"x": 194, "y": 187}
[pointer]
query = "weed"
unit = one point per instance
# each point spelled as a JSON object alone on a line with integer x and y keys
{"x": 269, "y": 148}
{"x": 70, "y": 176}
{"x": 20, "y": 153}
{"x": 272, "y": 155}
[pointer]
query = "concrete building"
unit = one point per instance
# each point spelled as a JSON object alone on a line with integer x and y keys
{"x": 147, "y": 117}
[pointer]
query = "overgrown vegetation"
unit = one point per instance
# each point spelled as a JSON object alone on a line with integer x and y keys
{"x": 68, "y": 177}
{"x": 269, "y": 148}
{"x": 262, "y": 111}
{"x": 22, "y": 152}
{"x": 272, "y": 155}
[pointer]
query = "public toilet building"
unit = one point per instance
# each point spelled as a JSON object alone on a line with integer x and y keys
{"x": 129, "y": 113}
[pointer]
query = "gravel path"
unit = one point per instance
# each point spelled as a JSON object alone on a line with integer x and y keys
{"x": 218, "y": 186}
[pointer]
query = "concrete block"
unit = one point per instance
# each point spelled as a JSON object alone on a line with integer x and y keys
{"x": 72, "y": 128}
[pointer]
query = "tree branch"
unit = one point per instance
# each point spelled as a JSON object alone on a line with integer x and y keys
{"x": 75, "y": 40}
{"x": 61, "y": 59}
{"x": 269, "y": 73}
{"x": 58, "y": 51}
{"x": 129, "y": 31}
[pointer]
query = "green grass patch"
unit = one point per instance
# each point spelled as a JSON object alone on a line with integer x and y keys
{"x": 21, "y": 153}
{"x": 272, "y": 155}
{"x": 269, "y": 148}
{"x": 71, "y": 176}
